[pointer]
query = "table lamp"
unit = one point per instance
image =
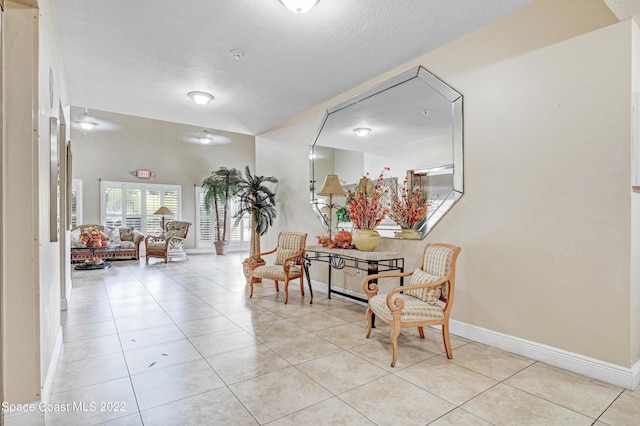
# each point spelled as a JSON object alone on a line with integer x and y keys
{"x": 164, "y": 212}
{"x": 330, "y": 188}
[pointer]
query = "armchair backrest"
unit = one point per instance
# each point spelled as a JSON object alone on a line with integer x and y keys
{"x": 289, "y": 243}
{"x": 439, "y": 260}
{"x": 177, "y": 228}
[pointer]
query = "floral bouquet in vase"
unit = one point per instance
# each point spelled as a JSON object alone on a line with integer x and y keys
{"x": 367, "y": 208}
{"x": 94, "y": 237}
{"x": 409, "y": 208}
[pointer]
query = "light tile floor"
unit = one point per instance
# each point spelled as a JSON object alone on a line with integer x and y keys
{"x": 182, "y": 344}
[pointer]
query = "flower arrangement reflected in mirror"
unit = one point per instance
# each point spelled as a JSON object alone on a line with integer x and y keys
{"x": 408, "y": 208}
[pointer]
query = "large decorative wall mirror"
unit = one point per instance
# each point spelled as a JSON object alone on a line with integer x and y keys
{"x": 413, "y": 124}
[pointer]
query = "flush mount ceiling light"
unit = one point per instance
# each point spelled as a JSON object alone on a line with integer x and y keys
{"x": 362, "y": 131}
{"x": 236, "y": 54}
{"x": 299, "y": 6}
{"x": 200, "y": 98}
{"x": 85, "y": 121}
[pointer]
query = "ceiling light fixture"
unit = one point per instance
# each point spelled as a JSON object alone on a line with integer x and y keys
{"x": 205, "y": 138}
{"x": 85, "y": 121}
{"x": 299, "y": 6}
{"x": 362, "y": 131}
{"x": 200, "y": 98}
{"x": 236, "y": 54}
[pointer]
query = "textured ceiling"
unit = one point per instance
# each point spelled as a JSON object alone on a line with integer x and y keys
{"x": 142, "y": 57}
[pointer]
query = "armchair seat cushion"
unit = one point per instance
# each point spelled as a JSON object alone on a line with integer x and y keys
{"x": 276, "y": 272}
{"x": 126, "y": 245}
{"x": 156, "y": 245}
{"x": 414, "y": 308}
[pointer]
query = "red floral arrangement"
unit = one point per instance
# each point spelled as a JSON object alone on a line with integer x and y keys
{"x": 410, "y": 207}
{"x": 367, "y": 206}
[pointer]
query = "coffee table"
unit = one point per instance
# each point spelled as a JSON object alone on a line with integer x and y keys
{"x": 87, "y": 265}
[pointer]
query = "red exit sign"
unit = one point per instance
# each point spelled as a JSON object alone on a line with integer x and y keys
{"x": 145, "y": 174}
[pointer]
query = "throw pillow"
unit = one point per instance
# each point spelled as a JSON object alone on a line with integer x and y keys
{"x": 126, "y": 234}
{"x": 428, "y": 295}
{"x": 113, "y": 233}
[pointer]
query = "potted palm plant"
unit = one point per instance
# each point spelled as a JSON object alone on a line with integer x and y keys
{"x": 258, "y": 201}
{"x": 220, "y": 187}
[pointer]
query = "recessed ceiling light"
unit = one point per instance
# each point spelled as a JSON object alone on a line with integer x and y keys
{"x": 362, "y": 131}
{"x": 299, "y": 6}
{"x": 200, "y": 98}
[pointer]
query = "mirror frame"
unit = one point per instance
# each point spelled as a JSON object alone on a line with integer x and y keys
{"x": 457, "y": 132}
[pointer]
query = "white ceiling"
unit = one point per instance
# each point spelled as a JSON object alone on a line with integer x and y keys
{"x": 142, "y": 57}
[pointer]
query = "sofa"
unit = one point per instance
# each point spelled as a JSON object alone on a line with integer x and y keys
{"x": 128, "y": 239}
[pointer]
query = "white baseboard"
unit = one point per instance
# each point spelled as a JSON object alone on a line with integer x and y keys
{"x": 604, "y": 371}
{"x": 51, "y": 371}
{"x": 25, "y": 418}
{"x": 628, "y": 378}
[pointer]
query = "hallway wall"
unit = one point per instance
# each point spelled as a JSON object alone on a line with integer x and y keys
{"x": 546, "y": 216}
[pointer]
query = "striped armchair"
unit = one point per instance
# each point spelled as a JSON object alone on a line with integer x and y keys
{"x": 427, "y": 300}
{"x": 287, "y": 266}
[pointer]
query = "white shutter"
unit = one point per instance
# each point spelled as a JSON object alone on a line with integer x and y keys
{"x": 76, "y": 202}
{"x": 204, "y": 222}
{"x": 134, "y": 204}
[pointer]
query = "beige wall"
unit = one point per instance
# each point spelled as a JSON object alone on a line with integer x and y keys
{"x": 634, "y": 294}
{"x": 141, "y": 143}
{"x": 546, "y": 216}
{"x": 50, "y": 252}
{"x": 31, "y": 263}
{"x": 20, "y": 311}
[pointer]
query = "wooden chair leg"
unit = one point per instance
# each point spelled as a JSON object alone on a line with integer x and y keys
{"x": 277, "y": 286}
{"x": 421, "y": 331}
{"x": 286, "y": 291}
{"x": 369, "y": 315}
{"x": 395, "y": 332}
{"x": 447, "y": 341}
{"x": 250, "y": 287}
{"x": 301, "y": 286}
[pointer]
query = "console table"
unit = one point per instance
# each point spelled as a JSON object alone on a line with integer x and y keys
{"x": 372, "y": 262}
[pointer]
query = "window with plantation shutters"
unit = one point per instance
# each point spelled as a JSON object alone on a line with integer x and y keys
{"x": 242, "y": 231}
{"x": 133, "y": 204}
{"x": 237, "y": 235}
{"x": 76, "y": 202}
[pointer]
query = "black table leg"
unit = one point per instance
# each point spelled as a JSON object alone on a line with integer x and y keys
{"x": 307, "y": 265}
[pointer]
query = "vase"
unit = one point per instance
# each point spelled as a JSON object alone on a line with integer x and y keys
{"x": 408, "y": 234}
{"x": 366, "y": 239}
{"x": 221, "y": 247}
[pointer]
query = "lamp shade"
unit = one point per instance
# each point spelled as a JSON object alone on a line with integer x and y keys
{"x": 163, "y": 211}
{"x": 331, "y": 186}
{"x": 365, "y": 186}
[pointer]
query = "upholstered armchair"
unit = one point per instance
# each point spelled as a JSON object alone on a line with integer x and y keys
{"x": 170, "y": 243}
{"x": 426, "y": 301}
{"x": 288, "y": 264}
